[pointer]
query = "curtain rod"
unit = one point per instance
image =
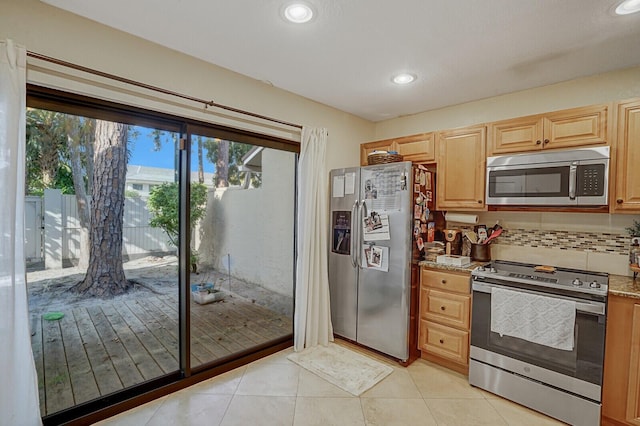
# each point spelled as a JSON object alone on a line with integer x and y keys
{"x": 156, "y": 89}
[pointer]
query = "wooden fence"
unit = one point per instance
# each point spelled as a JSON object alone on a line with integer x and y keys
{"x": 61, "y": 229}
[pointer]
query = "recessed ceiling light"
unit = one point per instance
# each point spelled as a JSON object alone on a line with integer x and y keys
{"x": 627, "y": 7}
{"x": 404, "y": 78}
{"x": 298, "y": 13}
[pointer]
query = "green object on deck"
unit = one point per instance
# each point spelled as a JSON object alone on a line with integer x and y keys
{"x": 53, "y": 316}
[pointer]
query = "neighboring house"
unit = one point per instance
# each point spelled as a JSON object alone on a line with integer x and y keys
{"x": 251, "y": 164}
{"x": 142, "y": 179}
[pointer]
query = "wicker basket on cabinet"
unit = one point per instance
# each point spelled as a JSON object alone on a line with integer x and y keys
{"x": 383, "y": 158}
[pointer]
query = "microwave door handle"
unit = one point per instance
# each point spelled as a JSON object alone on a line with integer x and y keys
{"x": 573, "y": 175}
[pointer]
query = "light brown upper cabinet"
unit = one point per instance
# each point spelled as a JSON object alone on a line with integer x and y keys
{"x": 562, "y": 129}
{"x": 626, "y": 194}
{"x": 416, "y": 148}
{"x": 461, "y": 168}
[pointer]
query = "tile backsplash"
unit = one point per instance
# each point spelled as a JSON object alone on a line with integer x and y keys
{"x": 591, "y": 241}
{"x": 567, "y": 240}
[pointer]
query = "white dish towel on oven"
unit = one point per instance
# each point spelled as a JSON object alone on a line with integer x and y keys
{"x": 539, "y": 319}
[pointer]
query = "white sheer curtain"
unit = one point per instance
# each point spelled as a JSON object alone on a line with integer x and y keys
{"x": 312, "y": 317}
{"x": 19, "y": 388}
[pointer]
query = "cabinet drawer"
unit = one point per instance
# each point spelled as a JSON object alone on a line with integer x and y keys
{"x": 445, "y": 308}
{"x": 458, "y": 283}
{"x": 444, "y": 341}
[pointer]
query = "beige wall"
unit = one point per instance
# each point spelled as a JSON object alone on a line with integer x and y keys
{"x": 50, "y": 31}
{"x": 596, "y": 89}
{"x": 601, "y": 88}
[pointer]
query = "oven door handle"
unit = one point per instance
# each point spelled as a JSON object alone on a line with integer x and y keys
{"x": 597, "y": 308}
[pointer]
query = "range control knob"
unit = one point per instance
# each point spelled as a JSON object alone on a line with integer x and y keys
{"x": 594, "y": 284}
{"x": 577, "y": 282}
{"x": 481, "y": 268}
{"x": 493, "y": 270}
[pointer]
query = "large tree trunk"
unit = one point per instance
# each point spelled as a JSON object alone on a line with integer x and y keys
{"x": 80, "y": 136}
{"x": 200, "y": 161}
{"x": 105, "y": 275}
{"x": 52, "y": 144}
{"x": 222, "y": 164}
{"x": 82, "y": 203}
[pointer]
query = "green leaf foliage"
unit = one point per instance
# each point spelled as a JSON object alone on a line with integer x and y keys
{"x": 163, "y": 205}
{"x": 236, "y": 151}
{"x": 634, "y": 230}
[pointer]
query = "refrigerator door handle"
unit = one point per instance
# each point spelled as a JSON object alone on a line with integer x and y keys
{"x": 354, "y": 234}
{"x": 362, "y": 213}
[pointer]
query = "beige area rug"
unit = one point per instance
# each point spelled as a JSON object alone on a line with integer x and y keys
{"x": 344, "y": 368}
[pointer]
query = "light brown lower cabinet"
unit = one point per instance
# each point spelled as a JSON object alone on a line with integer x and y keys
{"x": 621, "y": 384}
{"x": 445, "y": 311}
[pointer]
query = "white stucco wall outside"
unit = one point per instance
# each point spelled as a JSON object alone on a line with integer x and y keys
{"x": 252, "y": 229}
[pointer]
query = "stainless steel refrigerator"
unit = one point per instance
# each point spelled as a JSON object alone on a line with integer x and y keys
{"x": 369, "y": 259}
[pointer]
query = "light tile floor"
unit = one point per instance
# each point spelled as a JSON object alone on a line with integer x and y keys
{"x": 275, "y": 391}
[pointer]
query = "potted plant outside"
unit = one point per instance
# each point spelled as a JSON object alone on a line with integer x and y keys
{"x": 206, "y": 293}
{"x": 193, "y": 260}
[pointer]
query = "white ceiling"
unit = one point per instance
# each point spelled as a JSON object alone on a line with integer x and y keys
{"x": 460, "y": 50}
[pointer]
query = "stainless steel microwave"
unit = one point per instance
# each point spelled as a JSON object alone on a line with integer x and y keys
{"x": 577, "y": 177}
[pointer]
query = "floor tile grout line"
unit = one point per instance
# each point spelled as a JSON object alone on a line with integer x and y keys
{"x": 226, "y": 410}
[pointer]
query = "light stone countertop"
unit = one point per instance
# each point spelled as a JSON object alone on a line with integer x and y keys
{"x": 620, "y": 285}
{"x": 443, "y": 267}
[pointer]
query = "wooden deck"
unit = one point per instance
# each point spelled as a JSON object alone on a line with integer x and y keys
{"x": 94, "y": 351}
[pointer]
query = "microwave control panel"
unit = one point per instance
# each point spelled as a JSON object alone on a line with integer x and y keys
{"x": 590, "y": 180}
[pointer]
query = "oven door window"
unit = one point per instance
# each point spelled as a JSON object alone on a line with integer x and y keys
{"x": 584, "y": 362}
{"x": 530, "y": 182}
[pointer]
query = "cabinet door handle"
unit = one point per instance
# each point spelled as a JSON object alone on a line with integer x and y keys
{"x": 442, "y": 308}
{"x": 619, "y": 201}
{"x": 441, "y": 341}
{"x": 479, "y": 201}
{"x": 546, "y": 141}
{"x": 538, "y": 142}
{"x": 444, "y": 281}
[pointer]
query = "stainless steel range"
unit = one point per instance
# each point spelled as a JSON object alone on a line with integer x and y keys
{"x": 537, "y": 337}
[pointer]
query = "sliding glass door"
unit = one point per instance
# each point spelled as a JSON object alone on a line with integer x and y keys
{"x": 241, "y": 247}
{"x": 102, "y": 286}
{"x": 158, "y": 249}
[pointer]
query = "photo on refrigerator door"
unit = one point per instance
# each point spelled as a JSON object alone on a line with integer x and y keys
{"x": 341, "y": 225}
{"x": 376, "y": 227}
{"x": 377, "y": 257}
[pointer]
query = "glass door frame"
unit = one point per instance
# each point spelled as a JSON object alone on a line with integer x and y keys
{"x": 184, "y": 376}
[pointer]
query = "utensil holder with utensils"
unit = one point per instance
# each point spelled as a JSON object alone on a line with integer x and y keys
{"x": 481, "y": 252}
